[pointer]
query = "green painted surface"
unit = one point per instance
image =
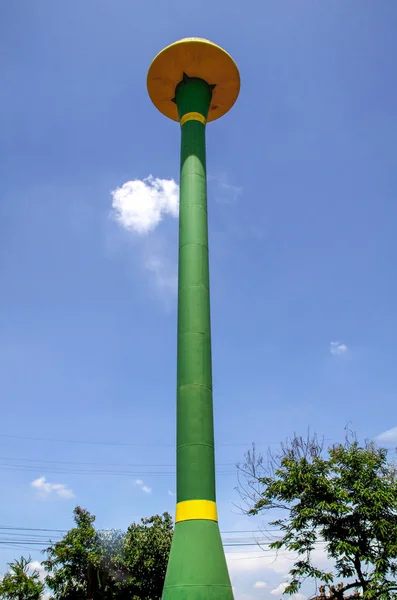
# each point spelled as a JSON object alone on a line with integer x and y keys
{"x": 195, "y": 431}
{"x": 197, "y": 567}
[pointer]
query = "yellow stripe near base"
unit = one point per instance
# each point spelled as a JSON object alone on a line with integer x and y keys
{"x": 193, "y": 116}
{"x": 196, "y": 509}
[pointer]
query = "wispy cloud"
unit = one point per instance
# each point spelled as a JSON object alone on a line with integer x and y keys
{"x": 224, "y": 191}
{"x": 337, "y": 348}
{"x": 45, "y": 488}
{"x": 244, "y": 562}
{"x": 241, "y": 563}
{"x": 142, "y": 486}
{"x": 387, "y": 438}
{"x": 260, "y": 585}
{"x": 140, "y": 204}
{"x": 163, "y": 269}
{"x": 171, "y": 493}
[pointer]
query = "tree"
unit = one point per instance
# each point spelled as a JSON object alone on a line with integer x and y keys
{"x": 19, "y": 583}
{"x": 145, "y": 557}
{"x": 345, "y": 498}
{"x": 74, "y": 563}
{"x": 109, "y": 565}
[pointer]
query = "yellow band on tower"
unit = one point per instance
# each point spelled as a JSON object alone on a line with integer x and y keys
{"x": 193, "y": 116}
{"x": 196, "y": 509}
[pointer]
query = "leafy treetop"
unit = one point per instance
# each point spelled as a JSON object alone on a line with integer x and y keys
{"x": 344, "y": 497}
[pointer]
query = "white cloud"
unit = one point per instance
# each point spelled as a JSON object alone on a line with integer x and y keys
{"x": 171, "y": 493}
{"x": 388, "y": 438}
{"x": 337, "y": 348}
{"x": 139, "y": 205}
{"x": 280, "y": 589}
{"x": 144, "y": 488}
{"x": 260, "y": 585}
{"x": 46, "y": 488}
{"x": 244, "y": 562}
{"x": 35, "y": 565}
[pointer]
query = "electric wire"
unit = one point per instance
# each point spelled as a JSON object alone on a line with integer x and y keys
{"x": 132, "y": 444}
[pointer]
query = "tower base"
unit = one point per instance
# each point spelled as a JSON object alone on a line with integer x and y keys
{"x": 197, "y": 567}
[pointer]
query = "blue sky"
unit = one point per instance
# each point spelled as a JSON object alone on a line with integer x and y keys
{"x": 302, "y": 187}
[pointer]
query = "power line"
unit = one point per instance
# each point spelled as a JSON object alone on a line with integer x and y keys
{"x": 140, "y": 444}
{"x": 121, "y": 469}
{"x": 46, "y": 530}
{"x": 41, "y": 544}
{"x": 102, "y": 443}
{"x": 34, "y": 536}
{"x": 130, "y": 444}
{"x": 72, "y": 462}
{"x": 228, "y": 543}
{"x": 61, "y": 471}
{"x": 24, "y": 546}
{"x": 256, "y": 557}
{"x": 111, "y": 443}
{"x": 32, "y": 529}
{"x": 29, "y": 535}
{"x": 28, "y": 544}
{"x": 42, "y": 529}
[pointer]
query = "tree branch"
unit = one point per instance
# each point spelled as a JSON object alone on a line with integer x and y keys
{"x": 357, "y": 566}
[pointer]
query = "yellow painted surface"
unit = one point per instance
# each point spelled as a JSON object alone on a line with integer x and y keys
{"x": 193, "y": 116}
{"x": 197, "y": 58}
{"x": 196, "y": 509}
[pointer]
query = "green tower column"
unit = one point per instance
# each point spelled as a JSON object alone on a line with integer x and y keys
{"x": 197, "y": 566}
{"x": 206, "y": 83}
{"x": 195, "y": 435}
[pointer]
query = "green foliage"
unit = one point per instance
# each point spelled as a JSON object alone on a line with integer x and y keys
{"x": 19, "y": 583}
{"x": 70, "y": 563}
{"x": 345, "y": 498}
{"x": 145, "y": 557}
{"x": 110, "y": 565}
